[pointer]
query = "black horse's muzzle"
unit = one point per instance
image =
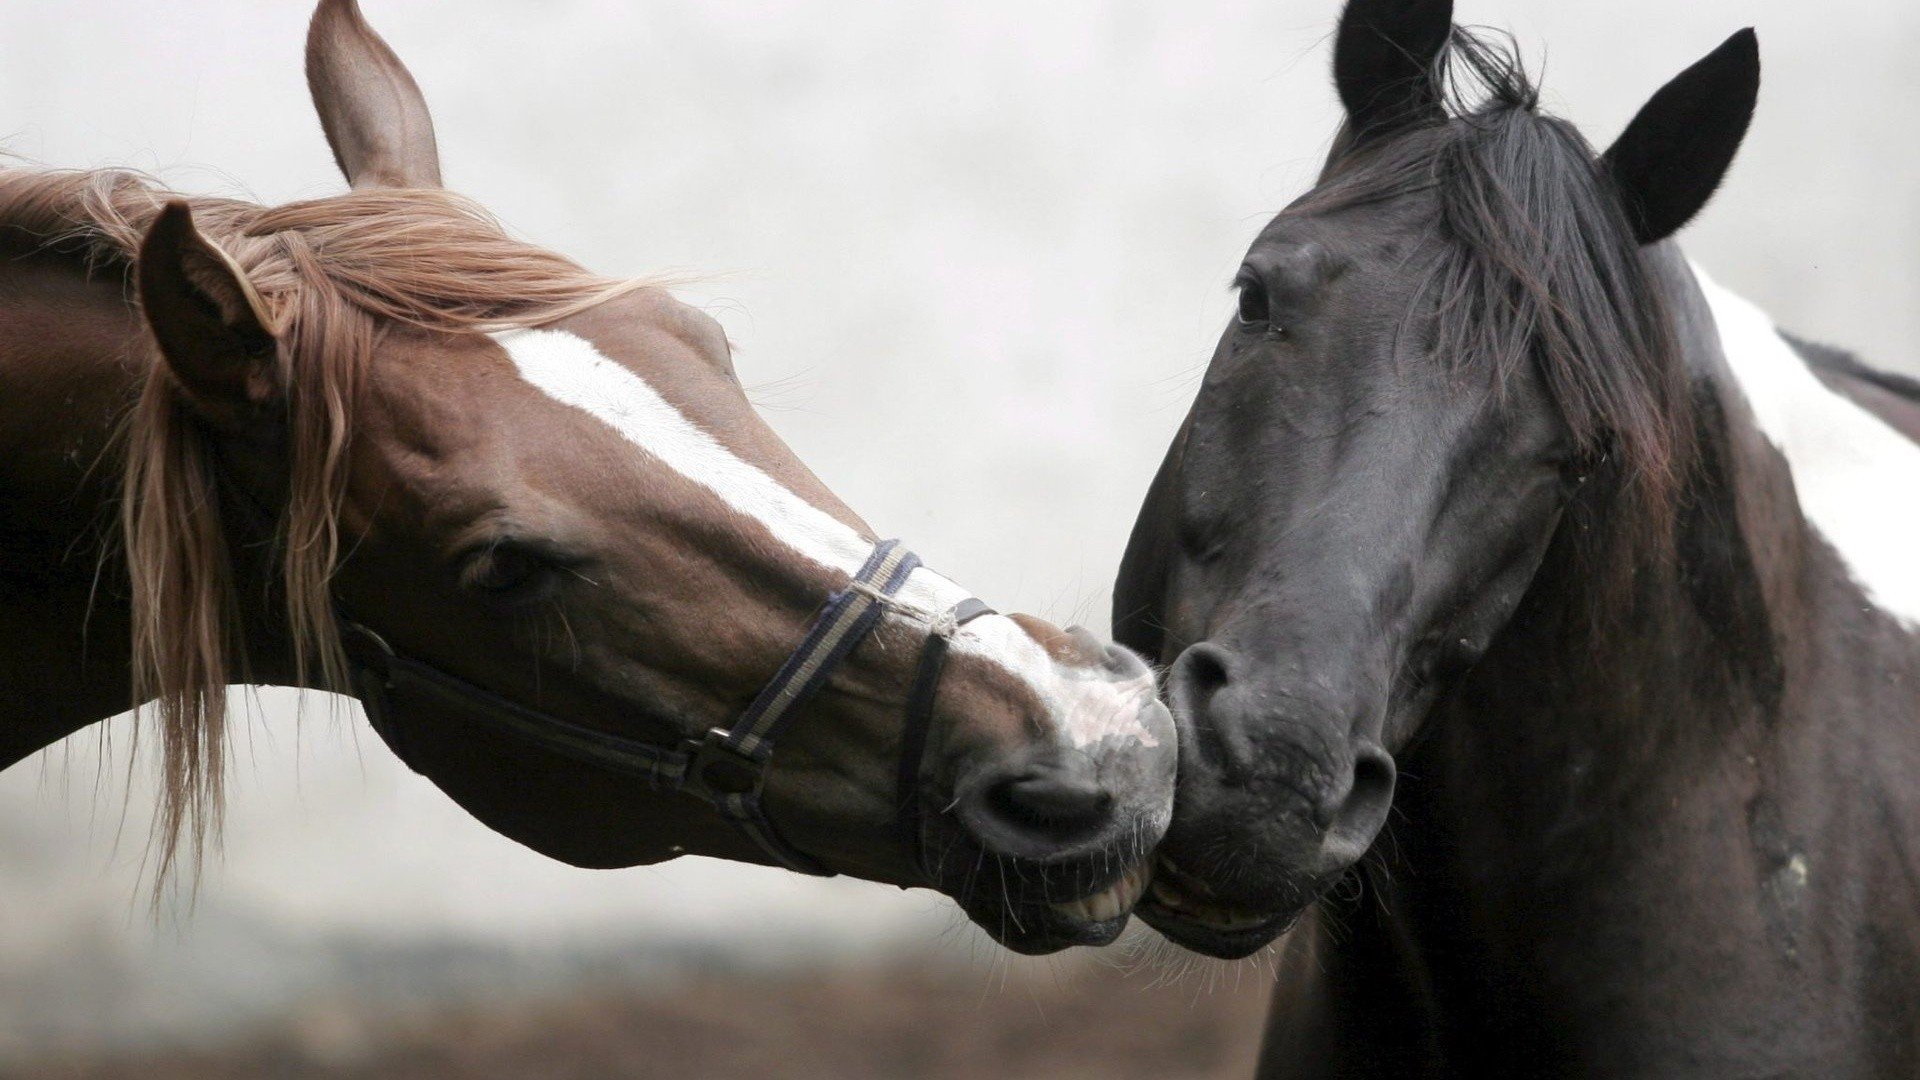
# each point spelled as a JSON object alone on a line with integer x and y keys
{"x": 1278, "y": 798}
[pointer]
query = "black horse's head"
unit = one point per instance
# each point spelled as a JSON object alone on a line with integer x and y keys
{"x": 1443, "y": 353}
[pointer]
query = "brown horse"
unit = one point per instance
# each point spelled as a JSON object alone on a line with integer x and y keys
{"x": 567, "y": 545}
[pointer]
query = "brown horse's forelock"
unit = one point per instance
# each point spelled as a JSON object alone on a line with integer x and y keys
{"x": 335, "y": 273}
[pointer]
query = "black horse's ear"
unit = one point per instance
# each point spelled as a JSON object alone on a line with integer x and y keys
{"x": 1672, "y": 157}
{"x": 1383, "y": 61}
{"x": 213, "y": 329}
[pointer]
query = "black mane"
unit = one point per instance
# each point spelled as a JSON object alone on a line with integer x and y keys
{"x": 1539, "y": 266}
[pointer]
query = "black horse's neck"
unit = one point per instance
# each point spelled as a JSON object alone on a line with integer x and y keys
{"x": 1599, "y": 699}
{"x": 1607, "y": 809}
{"x": 72, "y": 353}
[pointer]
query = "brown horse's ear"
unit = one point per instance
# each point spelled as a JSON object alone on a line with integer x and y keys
{"x": 213, "y": 329}
{"x": 370, "y": 107}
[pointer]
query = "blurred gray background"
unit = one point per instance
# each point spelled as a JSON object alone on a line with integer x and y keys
{"x": 1025, "y": 214}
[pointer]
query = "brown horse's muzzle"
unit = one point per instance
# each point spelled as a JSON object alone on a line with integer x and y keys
{"x": 1045, "y": 840}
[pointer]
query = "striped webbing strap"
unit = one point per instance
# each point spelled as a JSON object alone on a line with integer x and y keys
{"x": 728, "y": 766}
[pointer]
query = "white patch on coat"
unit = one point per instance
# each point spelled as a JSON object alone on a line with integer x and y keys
{"x": 1857, "y": 479}
{"x": 569, "y": 369}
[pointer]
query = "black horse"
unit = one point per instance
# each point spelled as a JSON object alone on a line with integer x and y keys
{"x": 1496, "y": 518}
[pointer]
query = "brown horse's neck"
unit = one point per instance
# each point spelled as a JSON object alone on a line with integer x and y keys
{"x": 72, "y": 354}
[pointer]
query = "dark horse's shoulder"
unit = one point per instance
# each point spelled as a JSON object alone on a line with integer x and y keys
{"x": 1892, "y": 396}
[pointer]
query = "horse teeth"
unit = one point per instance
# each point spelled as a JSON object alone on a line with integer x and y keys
{"x": 1187, "y": 879}
{"x": 1168, "y": 895}
{"x": 1116, "y": 900}
{"x": 1169, "y": 892}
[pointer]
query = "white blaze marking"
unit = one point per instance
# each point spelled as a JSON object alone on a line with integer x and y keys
{"x": 1857, "y": 478}
{"x": 568, "y": 369}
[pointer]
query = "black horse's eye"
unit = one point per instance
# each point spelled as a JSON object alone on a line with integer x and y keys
{"x": 505, "y": 571}
{"x": 1253, "y": 301}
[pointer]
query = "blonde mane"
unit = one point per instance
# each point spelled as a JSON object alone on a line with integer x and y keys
{"x": 336, "y": 274}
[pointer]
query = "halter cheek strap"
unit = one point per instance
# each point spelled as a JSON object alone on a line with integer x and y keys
{"x": 921, "y": 699}
{"x": 727, "y": 767}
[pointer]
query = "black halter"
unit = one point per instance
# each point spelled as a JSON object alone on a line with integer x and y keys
{"x": 727, "y": 767}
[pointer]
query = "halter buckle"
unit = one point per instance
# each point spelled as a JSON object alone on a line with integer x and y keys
{"x": 716, "y": 768}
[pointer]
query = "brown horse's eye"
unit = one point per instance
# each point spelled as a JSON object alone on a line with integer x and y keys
{"x": 1253, "y": 302}
{"x": 505, "y": 571}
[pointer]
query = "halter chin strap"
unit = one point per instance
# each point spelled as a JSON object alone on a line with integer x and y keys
{"x": 726, "y": 767}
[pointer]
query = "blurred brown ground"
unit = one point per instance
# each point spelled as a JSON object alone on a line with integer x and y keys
{"x": 1081, "y": 1022}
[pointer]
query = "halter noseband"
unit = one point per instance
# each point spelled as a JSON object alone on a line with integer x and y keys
{"x": 726, "y": 767}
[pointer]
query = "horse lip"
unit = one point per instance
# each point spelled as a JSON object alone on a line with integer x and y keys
{"x": 1179, "y": 902}
{"x": 1034, "y": 925}
{"x": 1212, "y": 941}
{"x": 1171, "y": 871}
{"x": 1116, "y": 898}
{"x": 1038, "y": 929}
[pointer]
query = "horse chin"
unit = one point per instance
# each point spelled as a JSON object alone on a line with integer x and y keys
{"x": 1035, "y": 926}
{"x": 1232, "y": 937}
{"x": 1191, "y": 914}
{"x": 1038, "y": 931}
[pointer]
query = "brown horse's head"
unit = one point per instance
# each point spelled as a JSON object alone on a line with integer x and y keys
{"x": 551, "y": 486}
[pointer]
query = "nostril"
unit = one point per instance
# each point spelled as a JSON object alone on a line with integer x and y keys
{"x": 1198, "y": 691}
{"x": 1372, "y": 773}
{"x": 1039, "y": 811}
{"x": 1359, "y": 817}
{"x": 1051, "y": 801}
{"x": 1198, "y": 674}
{"x": 1203, "y": 670}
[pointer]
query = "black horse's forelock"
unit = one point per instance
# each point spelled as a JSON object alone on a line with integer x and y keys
{"x": 1539, "y": 268}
